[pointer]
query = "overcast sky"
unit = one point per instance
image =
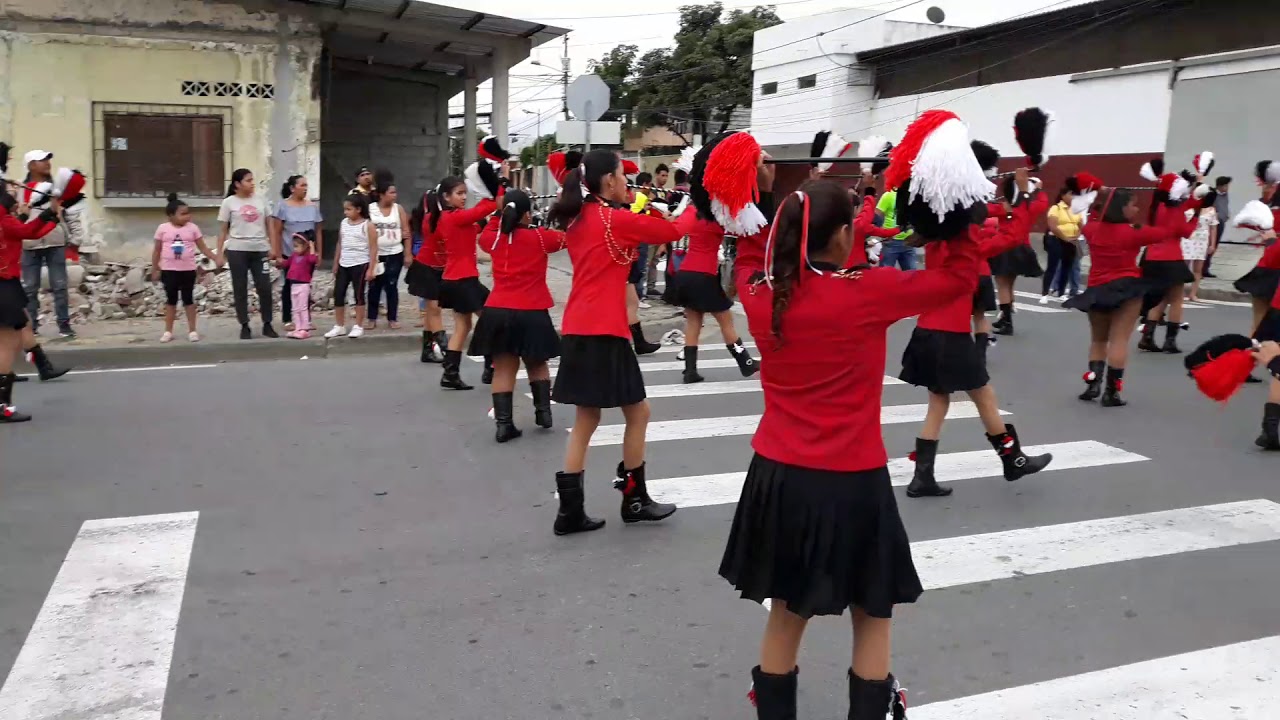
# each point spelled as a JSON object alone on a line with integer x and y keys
{"x": 598, "y": 27}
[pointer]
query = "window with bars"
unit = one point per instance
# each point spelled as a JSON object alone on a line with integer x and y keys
{"x": 807, "y": 82}
{"x": 768, "y": 88}
{"x": 143, "y": 151}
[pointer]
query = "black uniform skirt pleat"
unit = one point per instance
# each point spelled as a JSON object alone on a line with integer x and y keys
{"x": 1020, "y": 261}
{"x": 821, "y": 541}
{"x": 424, "y": 281}
{"x": 13, "y": 304}
{"x": 1269, "y": 328}
{"x": 1259, "y": 282}
{"x": 467, "y": 295}
{"x": 701, "y": 292}
{"x": 1109, "y": 296}
{"x": 599, "y": 371}
{"x": 984, "y": 298}
{"x": 943, "y": 362}
{"x": 528, "y": 334}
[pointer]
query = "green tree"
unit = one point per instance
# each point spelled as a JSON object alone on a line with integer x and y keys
{"x": 616, "y": 69}
{"x": 536, "y": 153}
{"x": 455, "y": 148}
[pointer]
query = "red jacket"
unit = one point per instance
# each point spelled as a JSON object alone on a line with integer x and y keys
{"x": 705, "y": 238}
{"x": 1170, "y": 249}
{"x": 1271, "y": 256}
{"x": 458, "y": 230}
{"x": 431, "y": 252}
{"x": 520, "y": 266}
{"x": 1114, "y": 247}
{"x": 864, "y": 225}
{"x": 601, "y": 243}
{"x": 956, "y": 315}
{"x": 12, "y": 232}
{"x": 823, "y": 382}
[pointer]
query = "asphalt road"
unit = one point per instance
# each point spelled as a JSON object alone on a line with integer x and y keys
{"x": 344, "y": 541}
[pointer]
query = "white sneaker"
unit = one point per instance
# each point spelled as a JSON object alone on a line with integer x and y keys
{"x": 644, "y": 305}
{"x": 336, "y": 332}
{"x": 356, "y": 331}
{"x": 193, "y": 336}
{"x": 1044, "y": 299}
{"x": 166, "y": 337}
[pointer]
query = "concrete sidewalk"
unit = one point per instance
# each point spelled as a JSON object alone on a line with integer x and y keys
{"x": 135, "y": 342}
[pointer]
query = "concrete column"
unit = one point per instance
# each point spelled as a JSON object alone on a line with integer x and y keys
{"x": 501, "y": 95}
{"x": 469, "y": 140}
{"x": 442, "y": 138}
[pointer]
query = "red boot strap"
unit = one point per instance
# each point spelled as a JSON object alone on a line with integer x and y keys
{"x": 912, "y": 456}
{"x": 1091, "y": 377}
{"x": 1120, "y": 386}
{"x": 751, "y": 695}
{"x": 9, "y": 410}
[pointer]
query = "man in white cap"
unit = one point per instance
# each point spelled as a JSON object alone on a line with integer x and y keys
{"x": 49, "y": 251}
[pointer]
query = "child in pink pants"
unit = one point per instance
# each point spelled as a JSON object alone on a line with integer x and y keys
{"x": 300, "y": 267}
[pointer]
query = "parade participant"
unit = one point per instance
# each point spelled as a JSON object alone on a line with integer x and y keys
{"x": 1163, "y": 263}
{"x": 461, "y": 290}
{"x": 516, "y": 326}
{"x": 817, "y": 528}
{"x": 394, "y": 251}
{"x": 243, "y": 244}
{"x": 1263, "y": 216}
{"x": 636, "y": 277}
{"x": 295, "y": 213}
{"x": 357, "y": 246}
{"x": 698, "y": 286}
{"x": 867, "y": 246}
{"x": 1221, "y": 365}
{"x": 944, "y": 358}
{"x": 13, "y": 298}
{"x": 1031, "y": 130}
{"x": 299, "y": 269}
{"x": 1268, "y": 333}
{"x": 173, "y": 263}
{"x": 1116, "y": 287}
{"x": 598, "y": 367}
{"x": 425, "y": 274}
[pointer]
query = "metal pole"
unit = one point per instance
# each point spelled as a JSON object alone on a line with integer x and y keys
{"x": 564, "y": 81}
{"x": 586, "y": 139}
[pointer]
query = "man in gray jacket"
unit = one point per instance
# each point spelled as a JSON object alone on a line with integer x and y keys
{"x": 49, "y": 251}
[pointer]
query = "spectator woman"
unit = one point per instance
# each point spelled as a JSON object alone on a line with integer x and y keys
{"x": 394, "y": 250}
{"x": 243, "y": 244}
{"x": 295, "y": 214}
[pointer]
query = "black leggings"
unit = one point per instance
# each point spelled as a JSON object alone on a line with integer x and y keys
{"x": 244, "y": 263}
{"x": 178, "y": 282}
{"x": 350, "y": 277}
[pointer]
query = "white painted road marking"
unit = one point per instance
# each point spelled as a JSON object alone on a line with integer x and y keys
{"x": 1234, "y": 681}
{"x": 1039, "y": 308}
{"x": 708, "y": 364}
{"x": 101, "y": 646}
{"x": 725, "y": 488}
{"x": 134, "y": 369}
{"x": 664, "y": 350}
{"x": 729, "y": 387}
{"x": 1227, "y": 303}
{"x": 746, "y": 424}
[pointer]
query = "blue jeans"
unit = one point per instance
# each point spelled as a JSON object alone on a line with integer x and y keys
{"x": 55, "y": 258}
{"x": 639, "y": 269}
{"x": 897, "y": 252}
{"x": 388, "y": 282}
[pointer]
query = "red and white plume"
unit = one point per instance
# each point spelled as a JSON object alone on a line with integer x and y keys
{"x": 873, "y": 146}
{"x": 1084, "y": 189}
{"x": 68, "y": 183}
{"x": 685, "y": 162}
{"x": 936, "y": 156}
{"x": 560, "y": 164}
{"x": 1255, "y": 215}
{"x": 1204, "y": 162}
{"x": 490, "y": 149}
{"x": 629, "y": 167}
{"x": 731, "y": 183}
{"x": 37, "y": 194}
{"x": 828, "y": 145}
{"x": 1031, "y": 128}
{"x": 1152, "y": 170}
{"x": 1267, "y": 172}
{"x": 1175, "y": 186}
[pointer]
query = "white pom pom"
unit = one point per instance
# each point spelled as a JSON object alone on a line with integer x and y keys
{"x": 1200, "y": 191}
{"x": 1148, "y": 173}
{"x": 685, "y": 162}
{"x": 1081, "y": 203}
{"x": 946, "y": 173}
{"x": 1255, "y": 215}
{"x": 1180, "y": 190}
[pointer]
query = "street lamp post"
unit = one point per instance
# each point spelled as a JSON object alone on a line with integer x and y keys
{"x": 537, "y": 133}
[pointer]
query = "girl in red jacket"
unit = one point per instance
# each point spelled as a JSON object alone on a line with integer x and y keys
{"x": 1162, "y": 262}
{"x": 424, "y": 277}
{"x": 13, "y": 299}
{"x": 598, "y": 367}
{"x": 515, "y": 326}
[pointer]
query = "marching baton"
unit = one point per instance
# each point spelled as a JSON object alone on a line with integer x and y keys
{"x": 24, "y": 186}
{"x": 815, "y": 161}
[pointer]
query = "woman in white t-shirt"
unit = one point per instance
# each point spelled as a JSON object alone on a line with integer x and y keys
{"x": 357, "y": 244}
{"x": 245, "y": 245}
{"x": 1201, "y": 244}
{"x": 394, "y": 249}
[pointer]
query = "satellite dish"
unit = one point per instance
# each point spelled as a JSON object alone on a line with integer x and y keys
{"x": 935, "y": 15}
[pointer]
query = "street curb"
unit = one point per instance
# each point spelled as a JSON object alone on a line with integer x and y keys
{"x": 316, "y": 348}
{"x": 1224, "y": 295}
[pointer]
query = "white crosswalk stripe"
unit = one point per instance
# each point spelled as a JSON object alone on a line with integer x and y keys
{"x": 1041, "y": 309}
{"x": 728, "y": 387}
{"x": 667, "y": 366}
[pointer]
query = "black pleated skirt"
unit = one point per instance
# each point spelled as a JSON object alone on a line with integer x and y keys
{"x": 819, "y": 540}
{"x": 1020, "y": 261}
{"x": 701, "y": 292}
{"x": 528, "y": 334}
{"x": 943, "y": 362}
{"x": 1269, "y": 328}
{"x": 467, "y": 295}
{"x": 1109, "y": 296}
{"x": 599, "y": 371}
{"x": 424, "y": 281}
{"x": 1164, "y": 274}
{"x": 13, "y": 304}
{"x": 984, "y": 298}
{"x": 1259, "y": 282}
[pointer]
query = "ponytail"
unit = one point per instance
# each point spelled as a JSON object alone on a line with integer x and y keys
{"x": 804, "y": 225}
{"x": 517, "y": 204}
{"x": 569, "y": 204}
{"x": 419, "y": 213}
{"x": 175, "y": 203}
{"x": 286, "y": 190}
{"x": 596, "y": 166}
{"x": 236, "y": 177}
{"x": 435, "y": 200}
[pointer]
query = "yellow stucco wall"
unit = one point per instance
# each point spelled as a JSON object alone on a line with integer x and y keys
{"x": 50, "y": 80}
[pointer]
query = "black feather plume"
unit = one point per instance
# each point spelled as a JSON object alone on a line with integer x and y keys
{"x": 819, "y": 144}
{"x": 1031, "y": 128}
{"x": 988, "y": 157}
{"x": 879, "y": 166}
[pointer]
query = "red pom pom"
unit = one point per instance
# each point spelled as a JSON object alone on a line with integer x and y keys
{"x": 1090, "y": 376}
{"x": 555, "y": 164}
{"x": 629, "y": 167}
{"x": 905, "y": 152}
{"x": 751, "y": 695}
{"x": 1222, "y": 376}
{"x": 730, "y": 177}
{"x": 911, "y": 456}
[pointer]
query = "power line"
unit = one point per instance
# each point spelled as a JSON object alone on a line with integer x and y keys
{"x": 677, "y": 12}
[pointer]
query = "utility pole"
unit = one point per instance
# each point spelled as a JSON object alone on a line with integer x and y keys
{"x": 564, "y": 82}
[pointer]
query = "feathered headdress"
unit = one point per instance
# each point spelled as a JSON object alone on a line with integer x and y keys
{"x": 1221, "y": 365}
{"x": 937, "y": 159}
{"x": 877, "y": 147}
{"x": 490, "y": 149}
{"x": 69, "y": 186}
{"x": 1031, "y": 128}
{"x": 561, "y": 164}
{"x": 731, "y": 184}
{"x": 1255, "y": 215}
{"x": 1152, "y": 170}
{"x": 1084, "y": 189}
{"x": 1204, "y": 162}
{"x": 1267, "y": 172}
{"x": 629, "y": 167}
{"x": 685, "y": 162}
{"x": 1176, "y": 187}
{"x": 829, "y": 145}
{"x": 482, "y": 179}
{"x": 987, "y": 156}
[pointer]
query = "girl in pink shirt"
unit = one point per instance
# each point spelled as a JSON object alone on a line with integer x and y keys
{"x": 173, "y": 263}
{"x": 299, "y": 267}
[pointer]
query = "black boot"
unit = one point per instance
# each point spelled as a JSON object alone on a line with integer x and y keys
{"x": 982, "y": 341}
{"x": 486, "y": 377}
{"x": 452, "y": 378}
{"x": 746, "y": 364}
{"x": 923, "y": 483}
{"x": 541, "y": 391}
{"x": 45, "y": 366}
{"x": 503, "y": 416}
{"x": 637, "y": 506}
{"x": 643, "y": 347}
{"x": 1270, "y": 437}
{"x": 876, "y": 700}
{"x": 1148, "y": 341}
{"x": 1017, "y": 464}
{"x": 1252, "y": 379}
{"x": 572, "y": 518}
{"x": 1093, "y": 379}
{"x": 1171, "y": 338}
{"x": 774, "y": 695}
{"x": 1115, "y": 385}
{"x": 9, "y": 413}
{"x": 691, "y": 364}
{"x": 431, "y": 352}
{"x": 1004, "y": 323}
